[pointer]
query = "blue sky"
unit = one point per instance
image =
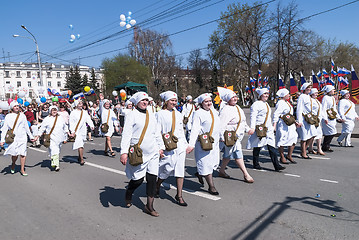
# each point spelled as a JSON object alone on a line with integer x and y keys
{"x": 49, "y": 21}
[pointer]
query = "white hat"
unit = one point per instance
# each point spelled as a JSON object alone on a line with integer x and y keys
{"x": 106, "y": 101}
{"x": 203, "y": 96}
{"x": 261, "y": 91}
{"x": 138, "y": 96}
{"x": 343, "y": 92}
{"x": 53, "y": 107}
{"x": 314, "y": 90}
{"x": 188, "y": 97}
{"x": 13, "y": 104}
{"x": 226, "y": 94}
{"x": 90, "y": 103}
{"x": 282, "y": 92}
{"x": 127, "y": 102}
{"x": 150, "y": 99}
{"x": 76, "y": 102}
{"x": 168, "y": 95}
{"x": 328, "y": 88}
{"x": 305, "y": 86}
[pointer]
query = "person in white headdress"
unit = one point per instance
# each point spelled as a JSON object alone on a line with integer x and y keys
{"x": 285, "y": 135}
{"x": 57, "y": 123}
{"x": 187, "y": 112}
{"x": 151, "y": 106}
{"x": 232, "y": 119}
{"x": 330, "y": 117}
{"x": 206, "y": 160}
{"x": 128, "y": 108}
{"x": 109, "y": 117}
{"x": 78, "y": 128}
{"x": 21, "y": 130}
{"x": 307, "y": 131}
{"x": 261, "y": 114}
{"x": 173, "y": 162}
{"x": 152, "y": 149}
{"x": 317, "y": 110}
{"x": 346, "y": 109}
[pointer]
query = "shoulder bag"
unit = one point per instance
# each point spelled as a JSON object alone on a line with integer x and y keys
{"x": 72, "y": 139}
{"x": 261, "y": 130}
{"x": 288, "y": 118}
{"x": 309, "y": 117}
{"x": 332, "y": 114}
{"x": 135, "y": 152}
{"x": 206, "y": 140}
{"x": 46, "y": 142}
{"x": 104, "y": 126}
{"x": 230, "y": 137}
{"x": 185, "y": 119}
{"x": 10, "y": 136}
{"x": 351, "y": 104}
{"x": 169, "y": 139}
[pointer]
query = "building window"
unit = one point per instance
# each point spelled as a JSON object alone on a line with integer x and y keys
{"x": 38, "y": 74}
{"x": 28, "y": 74}
{"x": 29, "y": 83}
{"x": 7, "y": 82}
{"x": 49, "y": 84}
{"x": 7, "y": 74}
{"x": 18, "y": 74}
{"x": 58, "y": 74}
{"x": 58, "y": 84}
{"x": 48, "y": 74}
{"x": 18, "y": 84}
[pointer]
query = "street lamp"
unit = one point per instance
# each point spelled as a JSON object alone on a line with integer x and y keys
{"x": 37, "y": 50}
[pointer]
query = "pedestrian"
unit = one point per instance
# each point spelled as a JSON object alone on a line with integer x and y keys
{"x": 204, "y": 139}
{"x": 232, "y": 128}
{"x": 261, "y": 130}
{"x": 16, "y": 123}
{"x": 141, "y": 138}
{"x": 173, "y": 161}
{"x": 44, "y": 112}
{"x": 346, "y": 109}
{"x": 317, "y": 111}
{"x": 35, "y": 130}
{"x": 109, "y": 124}
{"x": 187, "y": 112}
{"x": 285, "y": 126}
{"x": 30, "y": 114}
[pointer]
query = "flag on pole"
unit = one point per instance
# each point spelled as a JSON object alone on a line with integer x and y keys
{"x": 280, "y": 83}
{"x": 315, "y": 81}
{"x": 342, "y": 71}
{"x": 333, "y": 73}
{"x": 302, "y": 79}
{"x": 248, "y": 90}
{"x": 325, "y": 74}
{"x": 355, "y": 87}
{"x": 332, "y": 62}
{"x": 253, "y": 83}
{"x": 329, "y": 81}
{"x": 259, "y": 78}
{"x": 319, "y": 74}
{"x": 265, "y": 81}
{"x": 343, "y": 83}
{"x": 79, "y": 95}
{"x": 90, "y": 93}
{"x": 293, "y": 86}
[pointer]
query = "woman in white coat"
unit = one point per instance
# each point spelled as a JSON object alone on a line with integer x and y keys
{"x": 57, "y": 135}
{"x": 232, "y": 118}
{"x": 78, "y": 128}
{"x": 21, "y": 131}
{"x": 306, "y": 132}
{"x": 346, "y": 109}
{"x": 285, "y": 135}
{"x": 329, "y": 121}
{"x": 206, "y": 160}
{"x": 109, "y": 117}
{"x": 173, "y": 162}
{"x": 261, "y": 114}
{"x": 152, "y": 149}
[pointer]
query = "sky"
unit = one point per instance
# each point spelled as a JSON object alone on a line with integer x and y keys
{"x": 49, "y": 22}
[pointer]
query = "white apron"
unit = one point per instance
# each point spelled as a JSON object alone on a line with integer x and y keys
{"x": 330, "y": 128}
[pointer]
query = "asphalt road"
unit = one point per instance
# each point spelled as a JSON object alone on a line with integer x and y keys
{"x": 314, "y": 199}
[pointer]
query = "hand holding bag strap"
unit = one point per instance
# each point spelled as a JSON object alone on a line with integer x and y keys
{"x": 173, "y": 121}
{"x": 52, "y": 129}
{"x": 240, "y": 119}
{"x": 210, "y": 131}
{"x": 78, "y": 123}
{"x": 143, "y": 130}
{"x": 17, "y": 117}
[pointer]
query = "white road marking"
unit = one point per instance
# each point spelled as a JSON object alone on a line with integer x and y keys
{"x": 262, "y": 170}
{"x": 326, "y": 180}
{"x": 291, "y": 175}
{"x": 116, "y": 136}
{"x": 92, "y": 143}
{"x": 106, "y": 168}
{"x": 39, "y": 150}
{"x": 324, "y": 158}
{"x": 192, "y": 159}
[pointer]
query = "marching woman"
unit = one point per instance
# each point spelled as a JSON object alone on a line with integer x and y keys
{"x": 317, "y": 110}
{"x": 285, "y": 125}
{"x": 56, "y": 127}
{"x": 187, "y": 112}
{"x": 232, "y": 127}
{"x": 78, "y": 128}
{"x": 330, "y": 116}
{"x": 173, "y": 162}
{"x": 346, "y": 109}
{"x": 142, "y": 136}
{"x": 307, "y": 130}
{"x": 261, "y": 130}
{"x": 109, "y": 124}
{"x": 204, "y": 138}
{"x": 16, "y": 123}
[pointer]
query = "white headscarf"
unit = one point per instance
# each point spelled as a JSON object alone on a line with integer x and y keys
{"x": 168, "y": 95}
{"x": 138, "y": 96}
{"x": 226, "y": 94}
{"x": 202, "y": 97}
{"x": 53, "y": 107}
{"x": 76, "y": 102}
{"x": 127, "y": 102}
{"x": 261, "y": 91}
{"x": 282, "y": 92}
{"x": 13, "y": 104}
{"x": 314, "y": 90}
{"x": 305, "y": 86}
{"x": 188, "y": 97}
{"x": 328, "y": 88}
{"x": 343, "y": 92}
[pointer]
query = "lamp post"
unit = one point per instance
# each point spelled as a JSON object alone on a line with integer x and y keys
{"x": 37, "y": 50}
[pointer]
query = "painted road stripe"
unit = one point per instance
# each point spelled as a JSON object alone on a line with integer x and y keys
{"x": 116, "y": 136}
{"x": 192, "y": 159}
{"x": 262, "y": 170}
{"x": 291, "y": 175}
{"x": 39, "y": 150}
{"x": 106, "y": 168}
{"x": 326, "y": 180}
{"x": 316, "y": 157}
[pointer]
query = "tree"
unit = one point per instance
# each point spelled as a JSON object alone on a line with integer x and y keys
{"x": 200, "y": 70}
{"x": 85, "y": 81}
{"x": 93, "y": 80}
{"x": 74, "y": 81}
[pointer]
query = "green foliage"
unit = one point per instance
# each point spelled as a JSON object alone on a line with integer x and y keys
{"x": 93, "y": 81}
{"x": 74, "y": 81}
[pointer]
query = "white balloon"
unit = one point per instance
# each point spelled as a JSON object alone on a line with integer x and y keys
{"x": 21, "y": 94}
{"x": 129, "y": 13}
{"x": 29, "y": 99}
{"x": 38, "y": 101}
{"x": 122, "y": 17}
{"x": 128, "y": 26}
{"x": 114, "y": 93}
{"x": 122, "y": 90}
{"x": 73, "y": 37}
{"x": 133, "y": 22}
{"x": 122, "y": 24}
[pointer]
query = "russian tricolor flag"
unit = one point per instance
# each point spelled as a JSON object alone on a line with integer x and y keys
{"x": 293, "y": 85}
{"x": 325, "y": 74}
{"x": 315, "y": 81}
{"x": 280, "y": 83}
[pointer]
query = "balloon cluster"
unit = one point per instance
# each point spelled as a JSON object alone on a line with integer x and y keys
{"x": 73, "y": 37}
{"x": 122, "y": 94}
{"x": 127, "y": 22}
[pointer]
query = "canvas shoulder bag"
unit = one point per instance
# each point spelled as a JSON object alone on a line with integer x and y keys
{"x": 185, "y": 119}
{"x": 206, "y": 140}
{"x": 48, "y": 136}
{"x": 104, "y": 126}
{"x": 135, "y": 152}
{"x": 72, "y": 139}
{"x": 169, "y": 139}
{"x": 10, "y": 136}
{"x": 351, "y": 104}
{"x": 261, "y": 130}
{"x": 288, "y": 118}
{"x": 332, "y": 114}
{"x": 309, "y": 117}
{"x": 230, "y": 137}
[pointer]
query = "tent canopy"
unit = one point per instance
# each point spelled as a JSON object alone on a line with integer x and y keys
{"x": 132, "y": 87}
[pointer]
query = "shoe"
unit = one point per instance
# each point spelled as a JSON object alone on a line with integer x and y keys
{"x": 200, "y": 178}
{"x": 152, "y": 213}
{"x": 128, "y": 199}
{"x": 312, "y": 152}
{"x": 223, "y": 175}
{"x": 248, "y": 179}
{"x": 284, "y": 162}
{"x": 82, "y": 163}
{"x": 350, "y": 146}
{"x": 183, "y": 204}
{"x": 280, "y": 168}
{"x": 12, "y": 171}
{"x": 307, "y": 157}
{"x": 340, "y": 144}
{"x": 57, "y": 169}
{"x": 290, "y": 160}
{"x": 321, "y": 153}
{"x": 258, "y": 167}
{"x": 213, "y": 193}
{"x": 91, "y": 139}
{"x": 113, "y": 154}
{"x": 327, "y": 150}
{"x": 106, "y": 153}
{"x": 23, "y": 174}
